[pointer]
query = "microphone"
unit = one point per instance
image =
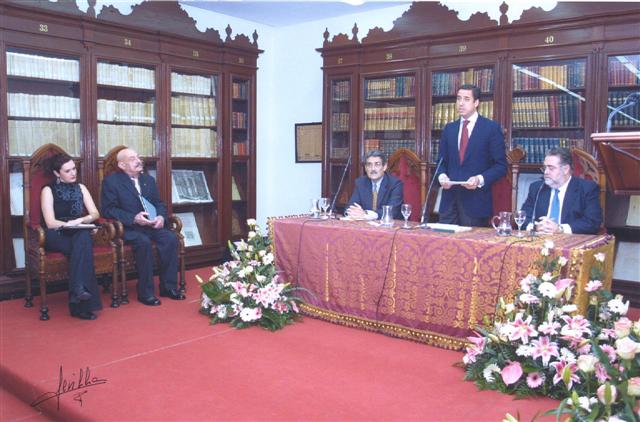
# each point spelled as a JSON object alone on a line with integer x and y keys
{"x": 631, "y": 100}
{"x": 535, "y": 204}
{"x": 426, "y": 200}
{"x": 335, "y": 195}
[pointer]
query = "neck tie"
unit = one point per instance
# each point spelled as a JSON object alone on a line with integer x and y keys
{"x": 375, "y": 197}
{"x": 554, "y": 212}
{"x": 464, "y": 140}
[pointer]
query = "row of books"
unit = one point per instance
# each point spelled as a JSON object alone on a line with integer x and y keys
{"x": 126, "y": 111}
{"x": 239, "y": 90}
{"x": 547, "y": 111}
{"x": 448, "y": 83}
{"x": 197, "y": 111}
{"x": 239, "y": 120}
{"x": 241, "y": 148}
{"x": 623, "y": 70}
{"x": 43, "y": 106}
{"x": 187, "y": 142}
{"x": 341, "y": 91}
{"x": 627, "y": 117}
{"x": 390, "y": 118}
{"x": 193, "y": 84}
{"x": 536, "y": 148}
{"x": 26, "y": 136}
{"x": 435, "y": 150}
{"x": 139, "y": 138}
{"x": 444, "y": 113}
{"x": 34, "y": 66}
{"x": 570, "y": 75}
{"x": 340, "y": 121}
{"x": 398, "y": 87}
{"x": 388, "y": 146}
{"x": 126, "y": 76}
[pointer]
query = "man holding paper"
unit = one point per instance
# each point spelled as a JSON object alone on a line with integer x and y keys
{"x": 133, "y": 198}
{"x": 473, "y": 157}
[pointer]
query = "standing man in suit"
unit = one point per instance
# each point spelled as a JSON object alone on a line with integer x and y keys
{"x": 563, "y": 203}
{"x": 375, "y": 189}
{"x": 472, "y": 151}
{"x": 130, "y": 197}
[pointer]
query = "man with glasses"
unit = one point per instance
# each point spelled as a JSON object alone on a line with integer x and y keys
{"x": 375, "y": 189}
{"x": 563, "y": 204}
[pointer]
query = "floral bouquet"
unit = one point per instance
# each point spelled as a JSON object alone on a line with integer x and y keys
{"x": 539, "y": 345}
{"x": 247, "y": 291}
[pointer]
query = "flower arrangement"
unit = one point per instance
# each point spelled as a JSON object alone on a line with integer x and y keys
{"x": 539, "y": 345}
{"x": 247, "y": 291}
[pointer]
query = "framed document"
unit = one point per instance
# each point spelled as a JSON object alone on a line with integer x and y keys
{"x": 189, "y": 186}
{"x": 308, "y": 142}
{"x": 190, "y": 229}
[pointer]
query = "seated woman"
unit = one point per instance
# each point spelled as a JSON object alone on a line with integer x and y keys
{"x": 65, "y": 205}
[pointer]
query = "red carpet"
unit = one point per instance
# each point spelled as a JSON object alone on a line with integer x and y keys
{"x": 167, "y": 363}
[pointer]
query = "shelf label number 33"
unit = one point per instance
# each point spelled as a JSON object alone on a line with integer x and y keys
{"x": 43, "y": 27}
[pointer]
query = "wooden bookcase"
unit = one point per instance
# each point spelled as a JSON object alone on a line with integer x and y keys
{"x": 548, "y": 78}
{"x": 185, "y": 100}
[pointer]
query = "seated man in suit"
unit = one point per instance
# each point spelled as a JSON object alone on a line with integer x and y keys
{"x": 130, "y": 197}
{"x": 375, "y": 189}
{"x": 563, "y": 204}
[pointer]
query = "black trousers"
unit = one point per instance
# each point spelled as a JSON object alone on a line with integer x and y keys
{"x": 167, "y": 244}
{"x": 77, "y": 246}
{"x": 457, "y": 215}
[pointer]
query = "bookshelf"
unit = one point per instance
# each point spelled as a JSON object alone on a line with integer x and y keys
{"x": 184, "y": 99}
{"x": 546, "y": 78}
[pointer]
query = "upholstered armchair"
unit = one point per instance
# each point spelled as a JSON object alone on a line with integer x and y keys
{"x": 52, "y": 266}
{"x": 505, "y": 190}
{"x": 587, "y": 167}
{"x": 126, "y": 257}
{"x": 407, "y": 166}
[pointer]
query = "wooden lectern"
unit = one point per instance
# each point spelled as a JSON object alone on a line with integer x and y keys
{"x": 620, "y": 155}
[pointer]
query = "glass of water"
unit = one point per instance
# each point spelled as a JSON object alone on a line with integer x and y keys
{"x": 519, "y": 217}
{"x": 406, "y": 213}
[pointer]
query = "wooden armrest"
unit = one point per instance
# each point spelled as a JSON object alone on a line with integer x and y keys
{"x": 175, "y": 224}
{"x": 35, "y": 235}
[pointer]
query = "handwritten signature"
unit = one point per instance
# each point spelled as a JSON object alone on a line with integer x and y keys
{"x": 73, "y": 384}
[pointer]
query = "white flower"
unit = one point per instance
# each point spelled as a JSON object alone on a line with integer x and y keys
{"x": 617, "y": 306}
{"x": 248, "y": 269}
{"x": 222, "y": 312}
{"x": 261, "y": 253}
{"x": 206, "y": 301}
{"x": 547, "y": 289}
{"x": 489, "y": 371}
{"x": 567, "y": 309}
{"x": 235, "y": 298}
{"x": 250, "y": 314}
{"x": 524, "y": 350}
{"x": 251, "y": 234}
{"x": 562, "y": 261}
{"x": 241, "y": 245}
{"x": 567, "y": 355}
{"x": 544, "y": 252}
{"x": 509, "y": 307}
{"x": 599, "y": 257}
{"x": 267, "y": 259}
{"x": 549, "y": 244}
{"x": 251, "y": 222}
{"x": 587, "y": 363}
{"x": 547, "y": 277}
{"x": 260, "y": 278}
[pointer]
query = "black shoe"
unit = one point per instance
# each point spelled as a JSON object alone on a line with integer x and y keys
{"x": 172, "y": 293}
{"x": 150, "y": 301}
{"x": 84, "y": 296}
{"x": 84, "y": 315}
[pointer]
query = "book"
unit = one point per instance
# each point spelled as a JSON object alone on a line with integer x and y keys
{"x": 149, "y": 208}
{"x": 190, "y": 229}
{"x": 448, "y": 228}
{"x": 82, "y": 226}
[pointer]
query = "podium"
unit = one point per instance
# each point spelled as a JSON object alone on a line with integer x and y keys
{"x": 620, "y": 156}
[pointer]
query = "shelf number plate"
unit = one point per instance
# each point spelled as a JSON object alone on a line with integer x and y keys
{"x": 195, "y": 53}
{"x": 388, "y": 56}
{"x": 127, "y": 42}
{"x": 43, "y": 27}
{"x": 462, "y": 48}
{"x": 549, "y": 39}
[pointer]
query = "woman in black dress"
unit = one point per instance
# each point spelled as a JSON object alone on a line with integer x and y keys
{"x": 66, "y": 204}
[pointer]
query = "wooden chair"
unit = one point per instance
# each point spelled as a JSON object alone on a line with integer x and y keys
{"x": 505, "y": 190}
{"x": 126, "y": 257}
{"x": 406, "y": 166}
{"x": 587, "y": 167}
{"x": 53, "y": 266}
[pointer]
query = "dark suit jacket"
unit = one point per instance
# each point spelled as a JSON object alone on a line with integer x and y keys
{"x": 119, "y": 198}
{"x": 485, "y": 155}
{"x": 389, "y": 193}
{"x": 580, "y": 208}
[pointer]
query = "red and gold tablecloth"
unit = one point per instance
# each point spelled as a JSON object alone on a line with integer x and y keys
{"x": 428, "y": 286}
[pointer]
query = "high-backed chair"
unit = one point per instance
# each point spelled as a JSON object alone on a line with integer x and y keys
{"x": 505, "y": 190}
{"x": 53, "y": 266}
{"x": 126, "y": 257}
{"x": 587, "y": 167}
{"x": 406, "y": 166}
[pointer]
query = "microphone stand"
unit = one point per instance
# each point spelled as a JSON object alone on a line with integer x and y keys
{"x": 335, "y": 195}
{"x": 631, "y": 100}
{"x": 426, "y": 200}
{"x": 532, "y": 233}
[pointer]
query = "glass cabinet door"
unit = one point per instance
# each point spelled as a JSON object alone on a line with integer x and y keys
{"x": 548, "y": 106}
{"x": 194, "y": 156}
{"x": 623, "y": 80}
{"x": 339, "y": 142}
{"x": 444, "y": 90}
{"x": 241, "y": 160}
{"x": 43, "y": 106}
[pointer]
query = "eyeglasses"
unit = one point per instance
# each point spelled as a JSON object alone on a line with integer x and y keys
{"x": 377, "y": 164}
{"x": 550, "y": 168}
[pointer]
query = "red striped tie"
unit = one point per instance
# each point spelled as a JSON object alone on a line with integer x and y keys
{"x": 464, "y": 140}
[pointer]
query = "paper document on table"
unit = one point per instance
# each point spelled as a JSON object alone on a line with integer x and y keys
{"x": 448, "y": 228}
{"x": 81, "y": 226}
{"x": 457, "y": 182}
{"x": 370, "y": 215}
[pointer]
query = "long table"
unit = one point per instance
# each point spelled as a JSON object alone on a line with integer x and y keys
{"x": 427, "y": 286}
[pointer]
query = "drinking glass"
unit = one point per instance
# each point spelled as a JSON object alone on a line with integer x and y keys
{"x": 314, "y": 208}
{"x": 520, "y": 217}
{"x": 406, "y": 212}
{"x": 324, "y": 204}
